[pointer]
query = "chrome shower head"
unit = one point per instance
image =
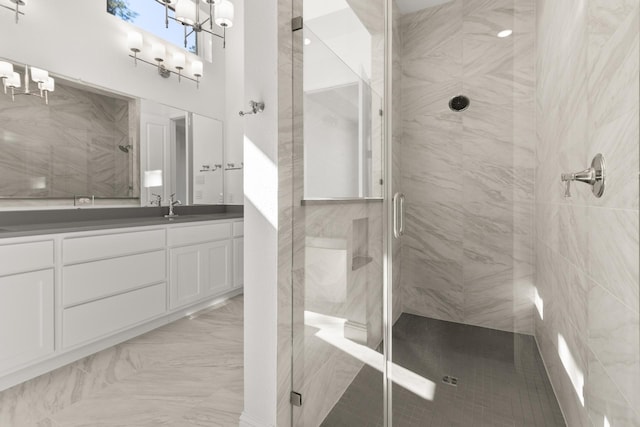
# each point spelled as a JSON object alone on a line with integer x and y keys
{"x": 125, "y": 148}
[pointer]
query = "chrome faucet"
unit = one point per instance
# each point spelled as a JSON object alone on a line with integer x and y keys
{"x": 172, "y": 203}
{"x": 157, "y": 199}
{"x": 594, "y": 176}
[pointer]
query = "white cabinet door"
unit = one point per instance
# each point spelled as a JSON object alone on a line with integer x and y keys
{"x": 217, "y": 266}
{"x": 26, "y": 318}
{"x": 199, "y": 271}
{"x": 238, "y": 262}
{"x": 187, "y": 281}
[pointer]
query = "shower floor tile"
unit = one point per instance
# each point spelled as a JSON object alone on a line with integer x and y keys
{"x": 501, "y": 380}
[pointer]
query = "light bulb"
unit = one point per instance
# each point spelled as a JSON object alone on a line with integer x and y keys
{"x": 196, "y": 68}
{"x": 14, "y": 80}
{"x": 186, "y": 12}
{"x": 158, "y": 52}
{"x": 505, "y": 33}
{"x": 49, "y": 85}
{"x": 135, "y": 41}
{"x": 223, "y": 14}
{"x": 179, "y": 60}
{"x": 6, "y": 69}
{"x": 38, "y": 75}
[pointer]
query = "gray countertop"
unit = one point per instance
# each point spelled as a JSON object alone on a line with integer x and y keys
{"x": 8, "y": 230}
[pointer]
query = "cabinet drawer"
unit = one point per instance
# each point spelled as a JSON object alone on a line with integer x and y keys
{"x": 93, "y": 280}
{"x": 192, "y": 234}
{"x": 238, "y": 229}
{"x": 26, "y": 257}
{"x": 93, "y": 320}
{"x": 26, "y": 318}
{"x": 111, "y": 245}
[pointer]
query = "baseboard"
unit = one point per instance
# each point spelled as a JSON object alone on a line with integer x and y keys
{"x": 247, "y": 420}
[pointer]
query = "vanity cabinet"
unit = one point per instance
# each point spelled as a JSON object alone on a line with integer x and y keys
{"x": 200, "y": 262}
{"x": 238, "y": 254}
{"x": 110, "y": 282}
{"x": 26, "y": 303}
{"x": 198, "y": 271}
{"x": 65, "y": 296}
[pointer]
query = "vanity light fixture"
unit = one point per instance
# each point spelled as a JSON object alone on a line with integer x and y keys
{"x": 159, "y": 55}
{"x": 12, "y": 81}
{"x": 188, "y": 13}
{"x": 17, "y": 4}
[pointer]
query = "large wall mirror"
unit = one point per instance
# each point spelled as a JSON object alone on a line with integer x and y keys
{"x": 87, "y": 146}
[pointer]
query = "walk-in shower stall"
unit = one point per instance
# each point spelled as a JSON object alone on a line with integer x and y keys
{"x": 465, "y": 215}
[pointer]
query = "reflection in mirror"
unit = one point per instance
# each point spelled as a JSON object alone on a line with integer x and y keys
{"x": 181, "y": 154}
{"x": 82, "y": 143}
{"x": 92, "y": 147}
{"x": 342, "y": 123}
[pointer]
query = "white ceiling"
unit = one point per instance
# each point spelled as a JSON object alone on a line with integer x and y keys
{"x": 410, "y": 6}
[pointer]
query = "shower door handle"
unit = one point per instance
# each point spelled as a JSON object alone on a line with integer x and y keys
{"x": 401, "y": 214}
{"x": 398, "y": 215}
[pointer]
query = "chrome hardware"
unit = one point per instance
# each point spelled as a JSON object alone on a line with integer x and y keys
{"x": 233, "y": 167}
{"x": 172, "y": 203}
{"x": 208, "y": 168}
{"x": 256, "y": 107}
{"x": 157, "y": 199}
{"x": 398, "y": 215}
{"x": 295, "y": 398}
{"x": 593, "y": 176}
{"x": 296, "y": 23}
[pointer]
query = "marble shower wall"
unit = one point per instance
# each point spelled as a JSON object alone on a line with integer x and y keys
{"x": 587, "y": 249}
{"x": 467, "y": 255}
{"x": 69, "y": 147}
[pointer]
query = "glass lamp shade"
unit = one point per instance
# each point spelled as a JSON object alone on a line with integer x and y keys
{"x": 135, "y": 41}
{"x": 13, "y": 80}
{"x": 6, "y": 69}
{"x": 179, "y": 60}
{"x": 223, "y": 14}
{"x": 38, "y": 75}
{"x": 186, "y": 12}
{"x": 158, "y": 52}
{"x": 49, "y": 85}
{"x": 197, "y": 68}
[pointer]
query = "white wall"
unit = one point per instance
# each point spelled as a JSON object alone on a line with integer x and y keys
{"x": 235, "y": 101}
{"x": 80, "y": 40}
{"x": 261, "y": 216}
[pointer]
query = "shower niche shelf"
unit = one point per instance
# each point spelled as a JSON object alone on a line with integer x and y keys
{"x": 360, "y": 244}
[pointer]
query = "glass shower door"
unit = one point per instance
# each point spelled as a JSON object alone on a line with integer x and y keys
{"x": 338, "y": 215}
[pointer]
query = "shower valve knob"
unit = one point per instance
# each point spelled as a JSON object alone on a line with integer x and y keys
{"x": 594, "y": 176}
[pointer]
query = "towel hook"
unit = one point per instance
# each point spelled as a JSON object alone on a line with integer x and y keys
{"x": 256, "y": 107}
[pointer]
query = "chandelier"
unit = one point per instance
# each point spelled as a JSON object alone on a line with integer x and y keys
{"x": 16, "y": 7}
{"x": 11, "y": 81}
{"x": 190, "y": 14}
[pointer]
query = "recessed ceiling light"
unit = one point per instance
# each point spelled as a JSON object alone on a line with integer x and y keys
{"x": 307, "y": 42}
{"x": 505, "y": 33}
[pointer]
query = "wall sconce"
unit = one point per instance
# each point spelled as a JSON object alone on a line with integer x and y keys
{"x": 12, "y": 80}
{"x": 187, "y": 12}
{"x": 16, "y": 7}
{"x": 159, "y": 55}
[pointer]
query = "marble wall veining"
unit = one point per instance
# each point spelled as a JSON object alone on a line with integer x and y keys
{"x": 69, "y": 147}
{"x": 587, "y": 249}
{"x": 467, "y": 255}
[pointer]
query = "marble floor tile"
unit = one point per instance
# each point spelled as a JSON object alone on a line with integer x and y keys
{"x": 187, "y": 373}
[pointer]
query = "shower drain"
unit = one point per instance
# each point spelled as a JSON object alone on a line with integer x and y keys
{"x": 452, "y": 381}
